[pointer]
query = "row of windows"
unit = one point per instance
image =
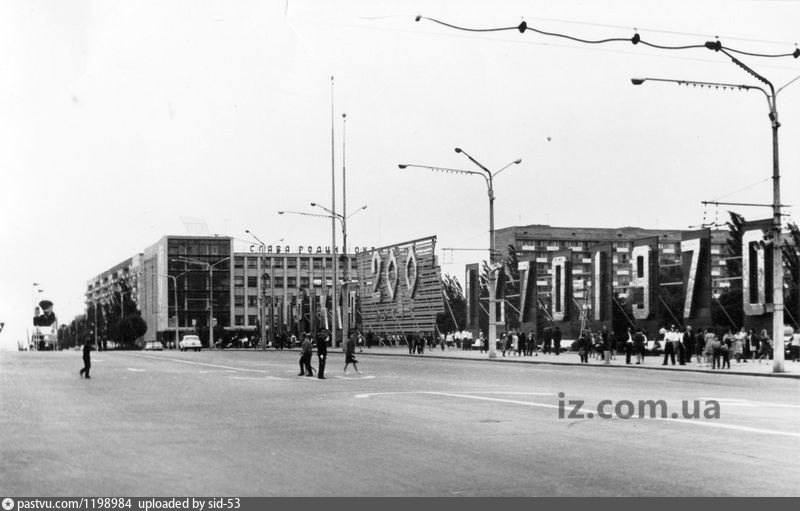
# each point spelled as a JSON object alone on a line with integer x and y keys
{"x": 252, "y": 282}
{"x": 291, "y": 262}
{"x": 239, "y": 320}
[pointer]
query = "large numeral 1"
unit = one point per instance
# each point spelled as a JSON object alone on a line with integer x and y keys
{"x": 559, "y": 293}
{"x": 692, "y": 246}
{"x": 753, "y": 285}
{"x": 597, "y": 286}
{"x": 640, "y": 267}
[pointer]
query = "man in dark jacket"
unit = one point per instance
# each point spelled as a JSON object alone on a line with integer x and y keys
{"x": 322, "y": 353}
{"x": 687, "y": 347}
{"x": 547, "y": 338}
{"x": 557, "y": 340}
{"x": 87, "y": 357}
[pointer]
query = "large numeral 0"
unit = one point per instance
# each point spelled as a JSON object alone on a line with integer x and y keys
{"x": 376, "y": 271}
{"x": 559, "y": 293}
{"x": 640, "y": 268}
{"x": 753, "y": 278}
{"x": 692, "y": 246}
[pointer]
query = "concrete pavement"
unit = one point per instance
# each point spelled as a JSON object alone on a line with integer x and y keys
{"x": 242, "y": 423}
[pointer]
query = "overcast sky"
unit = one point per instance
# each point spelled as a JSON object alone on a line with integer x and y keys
{"x": 124, "y": 121}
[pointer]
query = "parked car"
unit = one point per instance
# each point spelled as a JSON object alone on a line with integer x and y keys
{"x": 190, "y": 342}
{"x": 153, "y": 346}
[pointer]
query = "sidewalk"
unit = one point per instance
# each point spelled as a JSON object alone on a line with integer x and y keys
{"x": 570, "y": 358}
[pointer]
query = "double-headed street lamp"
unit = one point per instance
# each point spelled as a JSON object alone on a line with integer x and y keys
{"x": 777, "y": 260}
{"x": 346, "y": 273}
{"x": 261, "y": 293}
{"x": 210, "y": 268}
{"x": 488, "y": 176}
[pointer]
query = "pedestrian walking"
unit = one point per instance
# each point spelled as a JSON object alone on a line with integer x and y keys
{"x": 639, "y": 344}
{"x": 795, "y": 346}
{"x": 87, "y": 358}
{"x": 716, "y": 353}
{"x": 764, "y": 348}
{"x": 305, "y": 357}
{"x": 629, "y": 347}
{"x": 533, "y": 349}
{"x": 584, "y": 345}
{"x": 688, "y": 344}
{"x": 737, "y": 348}
{"x": 670, "y": 339}
{"x": 350, "y": 354}
{"x": 557, "y": 340}
{"x": 322, "y": 353}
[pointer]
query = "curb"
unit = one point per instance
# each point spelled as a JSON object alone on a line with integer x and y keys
{"x": 617, "y": 366}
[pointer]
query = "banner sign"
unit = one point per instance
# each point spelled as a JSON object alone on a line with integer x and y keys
{"x": 400, "y": 287}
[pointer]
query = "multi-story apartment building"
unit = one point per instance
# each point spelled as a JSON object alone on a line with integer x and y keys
{"x": 104, "y": 286}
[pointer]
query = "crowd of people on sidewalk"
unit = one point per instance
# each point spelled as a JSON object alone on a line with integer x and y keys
{"x": 709, "y": 347}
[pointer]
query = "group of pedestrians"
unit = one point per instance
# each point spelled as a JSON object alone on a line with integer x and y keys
{"x": 323, "y": 337}
{"x": 516, "y": 341}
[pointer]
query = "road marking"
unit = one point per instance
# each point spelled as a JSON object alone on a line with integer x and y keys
{"x": 136, "y": 370}
{"x": 347, "y": 377}
{"x": 460, "y": 393}
{"x": 258, "y": 378}
{"x": 734, "y": 427}
{"x": 205, "y": 364}
{"x": 747, "y": 403}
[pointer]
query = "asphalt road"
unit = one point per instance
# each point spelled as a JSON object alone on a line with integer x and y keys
{"x": 244, "y": 424}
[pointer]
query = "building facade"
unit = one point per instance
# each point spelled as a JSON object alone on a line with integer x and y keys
{"x": 184, "y": 284}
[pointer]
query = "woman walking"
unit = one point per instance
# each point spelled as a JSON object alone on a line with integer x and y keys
{"x": 764, "y": 346}
{"x": 350, "y": 354}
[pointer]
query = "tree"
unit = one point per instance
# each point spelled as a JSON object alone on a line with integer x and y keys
{"x": 455, "y": 306}
{"x": 512, "y": 287}
{"x": 727, "y": 309}
{"x": 672, "y": 297}
{"x": 128, "y": 329}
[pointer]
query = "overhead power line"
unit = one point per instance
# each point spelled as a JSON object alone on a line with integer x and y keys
{"x": 635, "y": 39}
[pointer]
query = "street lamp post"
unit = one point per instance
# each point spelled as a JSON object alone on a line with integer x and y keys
{"x": 346, "y": 273}
{"x": 488, "y": 177}
{"x": 777, "y": 259}
{"x": 261, "y": 307}
{"x": 175, "y": 297}
{"x": 210, "y": 268}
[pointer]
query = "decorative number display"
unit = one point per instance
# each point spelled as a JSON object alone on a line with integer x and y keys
{"x": 376, "y": 271}
{"x": 754, "y": 288}
{"x": 559, "y": 289}
{"x": 692, "y": 246}
{"x": 391, "y": 275}
{"x": 411, "y": 271}
{"x": 640, "y": 268}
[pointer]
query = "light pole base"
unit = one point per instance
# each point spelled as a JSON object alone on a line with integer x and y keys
{"x": 492, "y": 354}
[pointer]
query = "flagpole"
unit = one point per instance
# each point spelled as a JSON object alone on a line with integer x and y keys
{"x": 334, "y": 299}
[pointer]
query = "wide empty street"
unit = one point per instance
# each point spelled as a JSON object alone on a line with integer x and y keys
{"x": 242, "y": 423}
